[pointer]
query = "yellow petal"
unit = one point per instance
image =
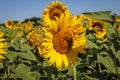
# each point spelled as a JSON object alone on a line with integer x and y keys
{"x": 1, "y": 57}
{"x": 2, "y": 51}
{"x": 58, "y": 61}
{"x": 65, "y": 60}
{"x": 52, "y": 58}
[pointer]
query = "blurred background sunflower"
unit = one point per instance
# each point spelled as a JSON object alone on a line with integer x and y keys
{"x": 98, "y": 27}
{"x": 3, "y": 45}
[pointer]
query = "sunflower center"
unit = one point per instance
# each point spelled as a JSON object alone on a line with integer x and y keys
{"x": 55, "y": 12}
{"x": 62, "y": 42}
{"x": 97, "y": 26}
{"x": 9, "y": 23}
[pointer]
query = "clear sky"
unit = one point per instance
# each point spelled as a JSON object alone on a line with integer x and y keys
{"x": 21, "y": 9}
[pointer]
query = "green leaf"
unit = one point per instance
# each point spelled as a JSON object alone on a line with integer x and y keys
{"x": 45, "y": 63}
{"x": 92, "y": 45}
{"x": 117, "y": 56}
{"x": 102, "y": 15}
{"x": 1, "y": 65}
{"x": 91, "y": 78}
{"x": 110, "y": 28}
{"x": 25, "y": 47}
{"x": 104, "y": 53}
{"x": 90, "y": 37}
{"x": 115, "y": 53}
{"x": 23, "y": 71}
{"x": 11, "y": 55}
{"x": 108, "y": 63}
{"x": 118, "y": 68}
{"x": 35, "y": 74}
{"x": 117, "y": 33}
{"x": 22, "y": 68}
{"x": 13, "y": 46}
{"x": 113, "y": 49}
{"x": 28, "y": 55}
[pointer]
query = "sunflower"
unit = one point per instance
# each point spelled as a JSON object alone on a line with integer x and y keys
{"x": 17, "y": 25}
{"x": 27, "y": 26}
{"x": 99, "y": 28}
{"x": 9, "y": 24}
{"x": 2, "y": 46}
{"x": 117, "y": 22}
{"x": 62, "y": 46}
{"x": 34, "y": 38}
{"x": 53, "y": 10}
{"x": 82, "y": 17}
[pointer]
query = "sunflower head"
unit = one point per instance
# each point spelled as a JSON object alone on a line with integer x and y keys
{"x": 34, "y": 38}
{"x": 17, "y": 25}
{"x": 53, "y": 10}
{"x": 9, "y": 23}
{"x": 82, "y": 17}
{"x": 117, "y": 22}
{"x": 62, "y": 41}
{"x": 62, "y": 46}
{"x": 99, "y": 28}
{"x": 27, "y": 26}
{"x": 3, "y": 45}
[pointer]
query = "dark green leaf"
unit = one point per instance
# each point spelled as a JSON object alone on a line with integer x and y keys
{"x": 108, "y": 62}
{"x": 92, "y": 45}
{"x": 25, "y": 47}
{"x": 11, "y": 55}
{"x": 113, "y": 49}
{"x": 23, "y": 71}
{"x": 28, "y": 55}
{"x": 102, "y": 15}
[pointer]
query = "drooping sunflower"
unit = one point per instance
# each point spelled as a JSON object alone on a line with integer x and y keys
{"x": 53, "y": 10}
{"x": 99, "y": 28}
{"x": 62, "y": 46}
{"x": 2, "y": 46}
{"x": 9, "y": 24}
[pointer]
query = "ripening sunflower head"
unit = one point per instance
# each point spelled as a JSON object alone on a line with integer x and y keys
{"x": 2, "y": 46}
{"x": 52, "y": 11}
{"x": 62, "y": 46}
{"x": 9, "y": 24}
{"x": 99, "y": 28}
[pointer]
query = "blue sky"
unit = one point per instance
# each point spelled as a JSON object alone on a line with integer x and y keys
{"x": 21, "y": 9}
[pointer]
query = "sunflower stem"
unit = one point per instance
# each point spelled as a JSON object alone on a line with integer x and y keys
{"x": 99, "y": 66}
{"x": 74, "y": 72}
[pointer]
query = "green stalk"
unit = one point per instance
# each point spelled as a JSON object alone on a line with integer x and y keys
{"x": 74, "y": 72}
{"x": 98, "y": 59}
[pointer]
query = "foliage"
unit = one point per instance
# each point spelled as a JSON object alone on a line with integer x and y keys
{"x": 23, "y": 62}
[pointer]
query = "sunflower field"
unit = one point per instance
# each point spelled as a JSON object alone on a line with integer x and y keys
{"x": 61, "y": 46}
